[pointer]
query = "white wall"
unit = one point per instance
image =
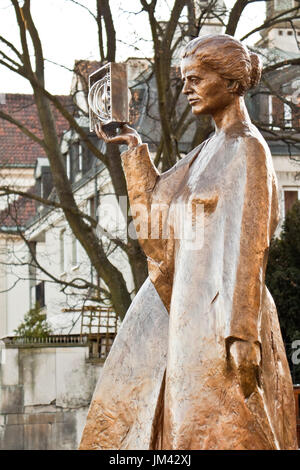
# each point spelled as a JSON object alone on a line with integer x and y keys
{"x": 14, "y": 295}
{"x": 20, "y": 179}
{"x": 45, "y": 393}
{"x": 285, "y": 41}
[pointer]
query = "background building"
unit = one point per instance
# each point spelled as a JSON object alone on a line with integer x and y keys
{"x": 46, "y": 384}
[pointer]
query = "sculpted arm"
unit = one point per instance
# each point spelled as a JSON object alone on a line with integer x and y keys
{"x": 141, "y": 175}
{"x": 243, "y": 343}
{"x": 142, "y": 178}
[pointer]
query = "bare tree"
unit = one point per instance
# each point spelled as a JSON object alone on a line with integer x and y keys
{"x": 172, "y": 114}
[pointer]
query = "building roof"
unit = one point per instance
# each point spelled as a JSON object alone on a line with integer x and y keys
{"x": 18, "y": 212}
{"x": 272, "y": 55}
{"x": 16, "y": 149}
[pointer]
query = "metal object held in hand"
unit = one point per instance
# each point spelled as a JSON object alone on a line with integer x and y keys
{"x": 108, "y": 97}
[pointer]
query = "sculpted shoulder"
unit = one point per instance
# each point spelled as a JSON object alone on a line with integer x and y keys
{"x": 255, "y": 149}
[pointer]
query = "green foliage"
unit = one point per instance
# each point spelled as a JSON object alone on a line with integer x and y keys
{"x": 34, "y": 325}
{"x": 283, "y": 275}
{"x": 283, "y": 280}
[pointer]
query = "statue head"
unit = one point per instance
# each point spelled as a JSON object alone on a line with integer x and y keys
{"x": 217, "y": 70}
{"x": 229, "y": 58}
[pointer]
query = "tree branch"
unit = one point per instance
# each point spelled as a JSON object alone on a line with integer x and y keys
{"x": 235, "y": 15}
{"x": 273, "y": 21}
{"x": 283, "y": 63}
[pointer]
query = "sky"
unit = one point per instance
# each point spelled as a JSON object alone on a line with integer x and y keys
{"x": 68, "y": 32}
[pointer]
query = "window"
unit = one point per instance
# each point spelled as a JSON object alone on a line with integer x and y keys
{"x": 296, "y": 112}
{"x": 281, "y": 115}
{"x": 81, "y": 160}
{"x": 68, "y": 165}
{"x": 76, "y": 161}
{"x": 32, "y": 273}
{"x": 287, "y": 113}
{"x": 40, "y": 294}
{"x": 74, "y": 251}
{"x": 93, "y": 205}
{"x": 270, "y": 104}
{"x": 290, "y": 33}
{"x": 80, "y": 156}
{"x": 88, "y": 159}
{"x": 275, "y": 112}
{"x": 290, "y": 197}
{"x": 62, "y": 254}
{"x": 31, "y": 261}
{"x": 280, "y": 32}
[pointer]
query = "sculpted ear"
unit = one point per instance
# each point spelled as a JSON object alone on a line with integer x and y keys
{"x": 233, "y": 86}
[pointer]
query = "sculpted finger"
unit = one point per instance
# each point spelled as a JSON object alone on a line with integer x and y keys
{"x": 127, "y": 128}
{"x": 100, "y": 132}
{"x": 118, "y": 140}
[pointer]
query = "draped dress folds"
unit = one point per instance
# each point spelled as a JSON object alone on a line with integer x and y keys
{"x": 170, "y": 381}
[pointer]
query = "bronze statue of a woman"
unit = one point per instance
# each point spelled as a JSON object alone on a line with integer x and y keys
{"x": 199, "y": 361}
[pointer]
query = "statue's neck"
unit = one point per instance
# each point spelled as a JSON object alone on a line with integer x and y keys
{"x": 235, "y": 114}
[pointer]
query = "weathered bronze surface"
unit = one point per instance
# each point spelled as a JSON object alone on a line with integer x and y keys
{"x": 212, "y": 374}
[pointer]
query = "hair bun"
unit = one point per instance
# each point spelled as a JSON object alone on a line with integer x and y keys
{"x": 256, "y": 68}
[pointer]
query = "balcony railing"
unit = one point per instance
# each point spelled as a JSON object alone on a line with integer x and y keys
{"x": 51, "y": 340}
{"x": 99, "y": 344}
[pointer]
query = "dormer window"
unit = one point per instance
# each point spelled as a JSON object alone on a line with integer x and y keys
{"x": 43, "y": 177}
{"x": 282, "y": 115}
{"x": 80, "y": 161}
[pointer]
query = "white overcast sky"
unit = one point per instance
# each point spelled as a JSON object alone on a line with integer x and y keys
{"x": 68, "y": 32}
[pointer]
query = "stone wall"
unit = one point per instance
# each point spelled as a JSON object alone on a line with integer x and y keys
{"x": 45, "y": 393}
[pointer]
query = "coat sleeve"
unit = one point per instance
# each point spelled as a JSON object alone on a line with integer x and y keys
{"x": 142, "y": 177}
{"x": 142, "y": 181}
{"x": 257, "y": 226}
{"x": 150, "y": 196}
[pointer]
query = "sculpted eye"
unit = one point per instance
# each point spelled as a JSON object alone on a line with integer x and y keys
{"x": 193, "y": 80}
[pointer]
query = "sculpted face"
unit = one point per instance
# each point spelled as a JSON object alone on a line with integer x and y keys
{"x": 206, "y": 91}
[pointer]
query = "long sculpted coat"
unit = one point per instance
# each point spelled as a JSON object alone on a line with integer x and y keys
{"x": 170, "y": 381}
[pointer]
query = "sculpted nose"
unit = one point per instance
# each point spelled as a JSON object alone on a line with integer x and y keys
{"x": 185, "y": 89}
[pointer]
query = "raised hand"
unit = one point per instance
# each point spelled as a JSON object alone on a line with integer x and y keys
{"x": 128, "y": 136}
